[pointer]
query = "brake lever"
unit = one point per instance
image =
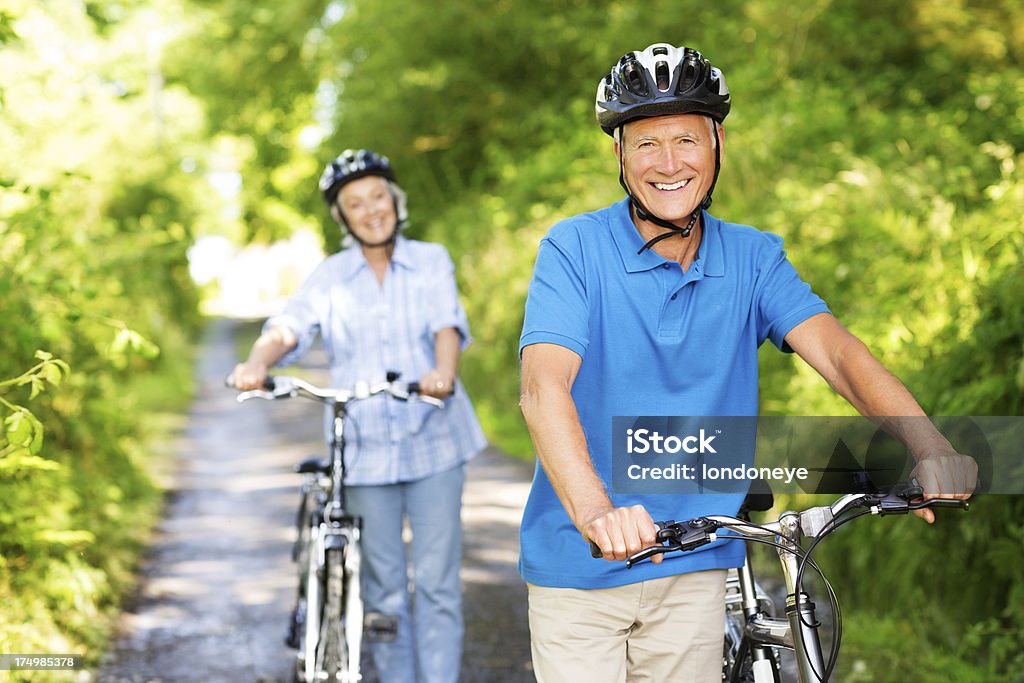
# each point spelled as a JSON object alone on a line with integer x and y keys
{"x": 429, "y": 400}
{"x": 942, "y": 503}
{"x": 910, "y": 496}
{"x": 647, "y": 553}
{"x": 678, "y": 536}
{"x": 244, "y": 396}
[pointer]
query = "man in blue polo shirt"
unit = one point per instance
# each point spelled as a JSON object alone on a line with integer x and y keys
{"x": 654, "y": 307}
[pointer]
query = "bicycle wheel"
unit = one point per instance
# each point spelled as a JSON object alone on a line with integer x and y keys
{"x": 303, "y": 525}
{"x": 307, "y": 523}
{"x": 332, "y": 655}
{"x": 306, "y": 662}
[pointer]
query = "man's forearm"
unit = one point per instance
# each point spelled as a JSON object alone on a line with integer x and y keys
{"x": 856, "y": 375}
{"x": 562, "y": 449}
{"x": 877, "y": 393}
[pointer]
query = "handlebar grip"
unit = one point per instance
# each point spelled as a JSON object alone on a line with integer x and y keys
{"x": 268, "y": 382}
{"x": 414, "y": 388}
{"x": 662, "y": 536}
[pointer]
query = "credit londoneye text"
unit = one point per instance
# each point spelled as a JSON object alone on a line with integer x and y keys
{"x": 651, "y": 442}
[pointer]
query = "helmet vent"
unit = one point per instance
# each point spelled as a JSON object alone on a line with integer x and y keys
{"x": 635, "y": 79}
{"x": 688, "y": 78}
{"x": 661, "y": 73}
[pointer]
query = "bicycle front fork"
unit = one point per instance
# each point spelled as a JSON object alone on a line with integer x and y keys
{"x": 353, "y": 604}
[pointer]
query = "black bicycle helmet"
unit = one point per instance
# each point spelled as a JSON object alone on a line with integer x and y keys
{"x": 352, "y": 165}
{"x": 658, "y": 81}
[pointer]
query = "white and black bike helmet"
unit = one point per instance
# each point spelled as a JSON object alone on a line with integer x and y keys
{"x": 659, "y": 81}
{"x": 352, "y": 165}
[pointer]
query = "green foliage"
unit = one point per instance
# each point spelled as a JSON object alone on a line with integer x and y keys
{"x": 255, "y": 65}
{"x": 883, "y": 648}
{"x": 881, "y": 138}
{"x": 95, "y": 220}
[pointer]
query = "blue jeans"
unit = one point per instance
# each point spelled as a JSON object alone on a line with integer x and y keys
{"x": 428, "y": 647}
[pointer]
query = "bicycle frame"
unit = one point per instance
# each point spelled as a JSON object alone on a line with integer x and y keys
{"x": 337, "y": 530}
{"x": 333, "y": 543}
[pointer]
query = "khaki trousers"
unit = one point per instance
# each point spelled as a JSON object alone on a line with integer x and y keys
{"x": 656, "y": 631}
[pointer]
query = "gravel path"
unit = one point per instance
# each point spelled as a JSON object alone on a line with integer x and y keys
{"x": 218, "y": 583}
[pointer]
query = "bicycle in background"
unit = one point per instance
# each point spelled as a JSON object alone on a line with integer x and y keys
{"x": 328, "y": 621}
{"x": 753, "y": 635}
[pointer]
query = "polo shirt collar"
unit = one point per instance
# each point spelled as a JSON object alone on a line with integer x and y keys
{"x": 629, "y": 242}
{"x": 352, "y": 260}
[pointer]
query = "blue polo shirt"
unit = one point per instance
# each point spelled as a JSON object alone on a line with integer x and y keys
{"x": 654, "y": 340}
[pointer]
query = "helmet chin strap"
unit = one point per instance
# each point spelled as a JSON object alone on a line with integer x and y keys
{"x": 645, "y": 215}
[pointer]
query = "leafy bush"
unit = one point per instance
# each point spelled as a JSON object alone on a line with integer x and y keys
{"x": 94, "y": 227}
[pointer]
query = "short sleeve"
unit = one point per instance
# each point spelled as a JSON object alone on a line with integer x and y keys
{"x": 556, "y": 302}
{"x": 783, "y": 299}
{"x": 303, "y": 314}
{"x": 447, "y": 310}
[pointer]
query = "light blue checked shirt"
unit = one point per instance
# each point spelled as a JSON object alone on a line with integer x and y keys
{"x": 367, "y": 329}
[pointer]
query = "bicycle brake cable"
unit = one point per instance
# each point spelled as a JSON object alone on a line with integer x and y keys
{"x": 837, "y": 636}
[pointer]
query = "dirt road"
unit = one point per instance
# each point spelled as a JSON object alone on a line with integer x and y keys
{"x": 218, "y": 583}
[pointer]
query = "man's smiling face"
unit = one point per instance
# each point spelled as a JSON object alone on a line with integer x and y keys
{"x": 668, "y": 162}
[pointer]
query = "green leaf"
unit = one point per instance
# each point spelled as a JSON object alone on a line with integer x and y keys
{"x": 36, "y": 444}
{"x": 121, "y": 341}
{"x": 37, "y": 386}
{"x": 51, "y": 373}
{"x": 21, "y": 460}
{"x": 19, "y": 428}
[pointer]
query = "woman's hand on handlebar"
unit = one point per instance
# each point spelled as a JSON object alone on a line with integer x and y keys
{"x": 621, "y": 532}
{"x": 437, "y": 384}
{"x": 248, "y": 376}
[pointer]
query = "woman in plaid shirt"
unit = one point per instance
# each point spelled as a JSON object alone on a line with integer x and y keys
{"x": 390, "y": 303}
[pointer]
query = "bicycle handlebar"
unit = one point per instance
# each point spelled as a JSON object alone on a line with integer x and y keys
{"x": 691, "y": 534}
{"x": 284, "y": 386}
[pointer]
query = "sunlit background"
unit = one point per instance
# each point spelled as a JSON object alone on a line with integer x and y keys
{"x": 158, "y": 167}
